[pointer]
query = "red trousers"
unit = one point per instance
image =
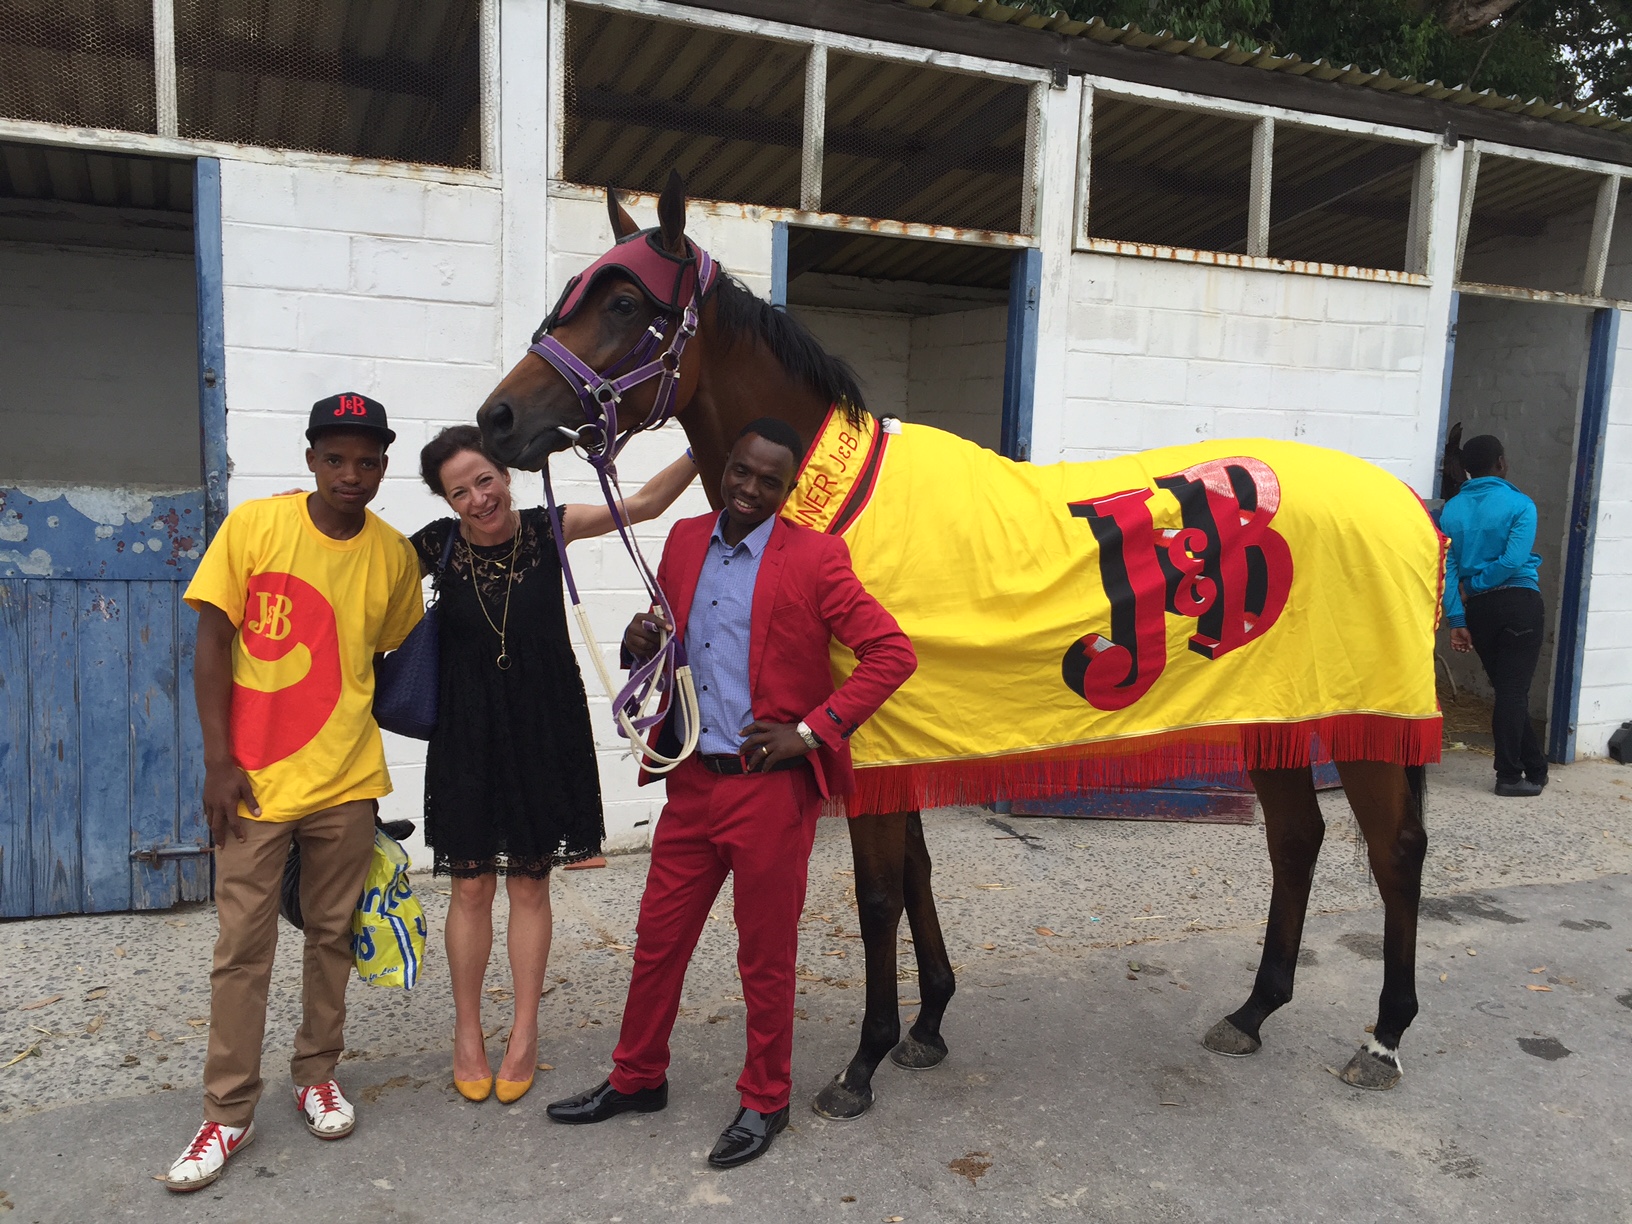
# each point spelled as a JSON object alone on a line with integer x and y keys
{"x": 760, "y": 828}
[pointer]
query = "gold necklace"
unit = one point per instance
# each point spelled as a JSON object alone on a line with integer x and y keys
{"x": 503, "y": 659}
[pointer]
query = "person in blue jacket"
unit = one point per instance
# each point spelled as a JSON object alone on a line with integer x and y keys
{"x": 1493, "y": 604}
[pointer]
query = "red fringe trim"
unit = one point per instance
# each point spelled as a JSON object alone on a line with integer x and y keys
{"x": 1219, "y": 755}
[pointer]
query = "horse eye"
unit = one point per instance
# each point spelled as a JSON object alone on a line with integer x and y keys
{"x": 623, "y": 306}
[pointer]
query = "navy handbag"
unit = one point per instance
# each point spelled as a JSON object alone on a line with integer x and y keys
{"x": 407, "y": 679}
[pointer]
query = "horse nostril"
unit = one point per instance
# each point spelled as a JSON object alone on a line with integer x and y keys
{"x": 497, "y": 418}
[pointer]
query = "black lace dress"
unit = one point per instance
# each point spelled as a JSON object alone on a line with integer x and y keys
{"x": 510, "y": 780}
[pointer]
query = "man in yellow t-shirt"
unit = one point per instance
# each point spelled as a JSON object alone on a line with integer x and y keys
{"x": 295, "y": 597}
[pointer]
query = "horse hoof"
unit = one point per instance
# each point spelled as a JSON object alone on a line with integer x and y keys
{"x": 1369, "y": 1069}
{"x": 915, "y": 1055}
{"x": 841, "y": 1103}
{"x": 1224, "y": 1038}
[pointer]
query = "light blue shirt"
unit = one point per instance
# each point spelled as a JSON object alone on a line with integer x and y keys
{"x": 717, "y": 635}
{"x": 1492, "y": 527}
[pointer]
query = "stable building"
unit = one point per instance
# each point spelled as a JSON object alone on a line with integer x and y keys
{"x": 1060, "y": 239}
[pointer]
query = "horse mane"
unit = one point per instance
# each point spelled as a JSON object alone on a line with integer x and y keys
{"x": 740, "y": 315}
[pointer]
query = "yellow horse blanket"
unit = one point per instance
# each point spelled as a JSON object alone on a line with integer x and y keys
{"x": 1184, "y": 612}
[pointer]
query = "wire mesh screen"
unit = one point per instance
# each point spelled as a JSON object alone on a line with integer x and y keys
{"x": 1168, "y": 177}
{"x": 876, "y": 257}
{"x": 86, "y": 63}
{"x": 393, "y": 79}
{"x": 644, "y": 97}
{"x": 1340, "y": 199}
{"x": 908, "y": 143}
{"x": 1618, "y": 273}
{"x": 1531, "y": 225}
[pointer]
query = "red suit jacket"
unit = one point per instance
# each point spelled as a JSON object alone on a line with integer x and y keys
{"x": 804, "y": 594}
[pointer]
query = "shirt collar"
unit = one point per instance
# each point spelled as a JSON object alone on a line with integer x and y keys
{"x": 754, "y": 541}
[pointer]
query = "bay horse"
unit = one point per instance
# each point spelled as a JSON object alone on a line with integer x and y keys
{"x": 746, "y": 360}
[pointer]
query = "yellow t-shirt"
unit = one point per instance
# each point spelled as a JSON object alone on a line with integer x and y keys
{"x": 311, "y": 614}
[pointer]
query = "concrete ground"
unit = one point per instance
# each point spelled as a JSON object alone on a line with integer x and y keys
{"x": 1092, "y": 956}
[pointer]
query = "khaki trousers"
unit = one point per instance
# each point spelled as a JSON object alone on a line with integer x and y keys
{"x": 335, "y": 848}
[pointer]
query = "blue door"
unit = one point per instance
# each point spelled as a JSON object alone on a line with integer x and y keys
{"x": 101, "y": 760}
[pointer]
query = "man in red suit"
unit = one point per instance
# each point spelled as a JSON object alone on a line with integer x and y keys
{"x": 756, "y": 601}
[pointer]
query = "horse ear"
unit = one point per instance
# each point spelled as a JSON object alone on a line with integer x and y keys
{"x": 671, "y": 214}
{"x": 622, "y": 223}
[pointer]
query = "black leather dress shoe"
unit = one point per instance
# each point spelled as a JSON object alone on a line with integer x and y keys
{"x": 599, "y": 1104}
{"x": 747, "y": 1138}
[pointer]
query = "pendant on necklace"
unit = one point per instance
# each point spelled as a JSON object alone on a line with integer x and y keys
{"x": 503, "y": 661}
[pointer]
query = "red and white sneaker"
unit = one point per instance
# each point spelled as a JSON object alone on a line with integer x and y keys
{"x": 206, "y": 1156}
{"x": 327, "y": 1112}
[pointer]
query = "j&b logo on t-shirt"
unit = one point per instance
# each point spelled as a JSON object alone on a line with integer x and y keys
{"x": 273, "y": 622}
{"x": 293, "y": 670}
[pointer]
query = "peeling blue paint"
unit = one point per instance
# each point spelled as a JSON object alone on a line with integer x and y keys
{"x": 121, "y": 534}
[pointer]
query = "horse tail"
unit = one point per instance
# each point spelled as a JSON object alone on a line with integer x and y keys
{"x": 1416, "y": 777}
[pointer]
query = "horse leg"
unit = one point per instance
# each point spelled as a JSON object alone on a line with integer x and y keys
{"x": 1387, "y": 803}
{"x": 877, "y": 846}
{"x": 1294, "y": 829}
{"x": 924, "y": 1046}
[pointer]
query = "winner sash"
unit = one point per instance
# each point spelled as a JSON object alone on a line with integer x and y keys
{"x": 1185, "y": 612}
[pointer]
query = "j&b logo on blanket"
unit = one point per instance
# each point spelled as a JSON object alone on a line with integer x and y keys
{"x": 1226, "y": 568}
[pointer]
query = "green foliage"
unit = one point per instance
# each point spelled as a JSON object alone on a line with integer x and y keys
{"x": 1575, "y": 52}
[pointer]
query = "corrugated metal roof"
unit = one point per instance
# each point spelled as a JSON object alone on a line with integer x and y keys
{"x": 1269, "y": 61}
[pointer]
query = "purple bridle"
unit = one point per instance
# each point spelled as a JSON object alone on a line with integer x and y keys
{"x": 641, "y": 259}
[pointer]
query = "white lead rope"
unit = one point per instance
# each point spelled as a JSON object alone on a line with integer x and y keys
{"x": 685, "y": 693}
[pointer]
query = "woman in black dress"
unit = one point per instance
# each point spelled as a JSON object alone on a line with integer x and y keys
{"x": 511, "y": 786}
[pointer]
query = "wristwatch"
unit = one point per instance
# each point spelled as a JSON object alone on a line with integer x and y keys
{"x": 809, "y": 736}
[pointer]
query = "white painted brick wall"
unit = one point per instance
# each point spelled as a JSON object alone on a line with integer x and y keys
{"x": 335, "y": 281}
{"x": 1163, "y": 353}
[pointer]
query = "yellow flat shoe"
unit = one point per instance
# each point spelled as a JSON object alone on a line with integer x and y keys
{"x": 478, "y": 1090}
{"x": 511, "y": 1091}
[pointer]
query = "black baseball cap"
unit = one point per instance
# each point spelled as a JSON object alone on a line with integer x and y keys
{"x": 349, "y": 410}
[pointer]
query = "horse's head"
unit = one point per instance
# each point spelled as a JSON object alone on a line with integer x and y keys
{"x": 1452, "y": 474}
{"x": 601, "y": 319}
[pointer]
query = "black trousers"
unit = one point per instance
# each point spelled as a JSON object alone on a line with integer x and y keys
{"x": 1507, "y": 627}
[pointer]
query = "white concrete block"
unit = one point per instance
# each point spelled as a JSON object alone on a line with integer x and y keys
{"x": 259, "y": 318}
{"x": 416, "y": 268}
{"x": 262, "y": 444}
{"x": 433, "y": 391}
{"x": 276, "y": 380}
{"x": 1359, "y": 302}
{"x": 1185, "y": 333}
{"x": 1148, "y": 380}
{"x": 275, "y": 257}
{"x": 255, "y": 193}
{"x": 1172, "y": 426}
{"x": 1109, "y": 329}
{"x": 459, "y": 333}
{"x": 1253, "y": 423}
{"x": 1088, "y": 374}
{"x": 463, "y": 214}
{"x": 1100, "y": 426}
{"x": 358, "y": 203}
{"x": 1256, "y": 341}
{"x": 1093, "y": 279}
{"x": 1226, "y": 384}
